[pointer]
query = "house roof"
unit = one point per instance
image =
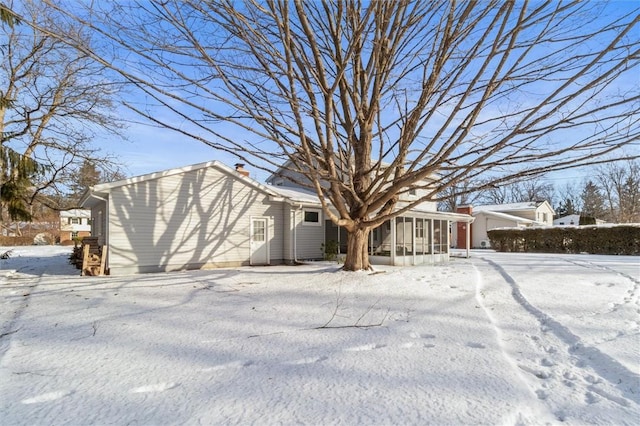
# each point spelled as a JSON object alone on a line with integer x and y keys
{"x": 76, "y": 213}
{"x": 296, "y": 194}
{"x": 527, "y": 205}
{"x": 506, "y": 216}
{"x": 103, "y": 189}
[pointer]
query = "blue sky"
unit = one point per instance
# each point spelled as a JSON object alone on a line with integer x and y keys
{"x": 151, "y": 149}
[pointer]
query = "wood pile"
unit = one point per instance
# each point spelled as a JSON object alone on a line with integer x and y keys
{"x": 93, "y": 257}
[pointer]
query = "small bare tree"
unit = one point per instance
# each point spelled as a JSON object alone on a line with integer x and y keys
{"x": 369, "y": 100}
{"x": 620, "y": 185}
{"x": 55, "y": 99}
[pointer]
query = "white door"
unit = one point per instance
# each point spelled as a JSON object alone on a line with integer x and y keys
{"x": 259, "y": 241}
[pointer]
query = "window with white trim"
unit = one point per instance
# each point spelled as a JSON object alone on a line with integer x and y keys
{"x": 311, "y": 217}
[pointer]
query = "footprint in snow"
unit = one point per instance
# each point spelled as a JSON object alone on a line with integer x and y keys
{"x": 46, "y": 397}
{"x": 309, "y": 360}
{"x": 408, "y": 345}
{"x": 228, "y": 365}
{"x": 476, "y": 345}
{"x": 590, "y": 398}
{"x": 541, "y": 394}
{"x": 539, "y": 374}
{"x": 367, "y": 347}
{"x": 546, "y": 362}
{"x": 415, "y": 335}
{"x": 158, "y": 387}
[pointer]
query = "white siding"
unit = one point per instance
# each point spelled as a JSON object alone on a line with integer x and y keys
{"x": 309, "y": 238}
{"x": 484, "y": 223}
{"x": 196, "y": 219}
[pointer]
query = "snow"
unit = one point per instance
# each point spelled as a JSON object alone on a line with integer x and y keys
{"x": 501, "y": 338}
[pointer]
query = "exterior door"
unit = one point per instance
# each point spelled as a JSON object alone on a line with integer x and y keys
{"x": 259, "y": 241}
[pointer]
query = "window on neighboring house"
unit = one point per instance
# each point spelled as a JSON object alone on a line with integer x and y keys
{"x": 312, "y": 217}
{"x": 75, "y": 221}
{"x": 412, "y": 191}
{"x": 544, "y": 217}
{"x": 74, "y": 234}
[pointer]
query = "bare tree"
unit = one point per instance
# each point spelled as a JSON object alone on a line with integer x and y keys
{"x": 569, "y": 198}
{"x": 462, "y": 194}
{"x": 527, "y": 189}
{"x": 55, "y": 100}
{"x": 369, "y": 100}
{"x": 620, "y": 184}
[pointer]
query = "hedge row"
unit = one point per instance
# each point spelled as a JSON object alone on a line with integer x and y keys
{"x": 618, "y": 239}
{"x": 16, "y": 241}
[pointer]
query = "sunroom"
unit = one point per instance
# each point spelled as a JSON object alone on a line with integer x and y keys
{"x": 415, "y": 238}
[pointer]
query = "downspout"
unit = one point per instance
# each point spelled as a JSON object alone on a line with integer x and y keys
{"x": 295, "y": 234}
{"x": 468, "y": 244}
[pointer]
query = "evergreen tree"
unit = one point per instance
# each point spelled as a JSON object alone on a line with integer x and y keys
{"x": 566, "y": 208}
{"x": 16, "y": 170}
{"x": 593, "y": 204}
{"x": 85, "y": 176}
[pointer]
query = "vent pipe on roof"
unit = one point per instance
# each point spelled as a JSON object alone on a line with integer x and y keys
{"x": 240, "y": 169}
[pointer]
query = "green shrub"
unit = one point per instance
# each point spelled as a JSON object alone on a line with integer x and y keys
{"x": 330, "y": 250}
{"x": 618, "y": 239}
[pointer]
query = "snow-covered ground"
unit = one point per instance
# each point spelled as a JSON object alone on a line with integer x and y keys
{"x": 496, "y": 339}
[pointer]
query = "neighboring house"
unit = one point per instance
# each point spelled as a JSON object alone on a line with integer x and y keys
{"x": 74, "y": 223}
{"x": 513, "y": 215}
{"x": 569, "y": 220}
{"x": 573, "y": 220}
{"x": 210, "y": 215}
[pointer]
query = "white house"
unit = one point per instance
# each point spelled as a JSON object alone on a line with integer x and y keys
{"x": 74, "y": 223}
{"x": 210, "y": 215}
{"x": 572, "y": 220}
{"x": 513, "y": 215}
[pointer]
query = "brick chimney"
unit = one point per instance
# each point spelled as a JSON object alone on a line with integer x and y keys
{"x": 461, "y": 242}
{"x": 240, "y": 169}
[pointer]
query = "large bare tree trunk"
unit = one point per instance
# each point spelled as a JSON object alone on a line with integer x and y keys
{"x": 357, "y": 250}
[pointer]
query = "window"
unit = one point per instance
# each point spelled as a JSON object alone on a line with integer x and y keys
{"x": 75, "y": 221}
{"x": 259, "y": 231}
{"x": 312, "y": 217}
{"x": 440, "y": 234}
{"x": 74, "y": 235}
{"x": 419, "y": 228}
{"x": 412, "y": 191}
{"x": 404, "y": 236}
